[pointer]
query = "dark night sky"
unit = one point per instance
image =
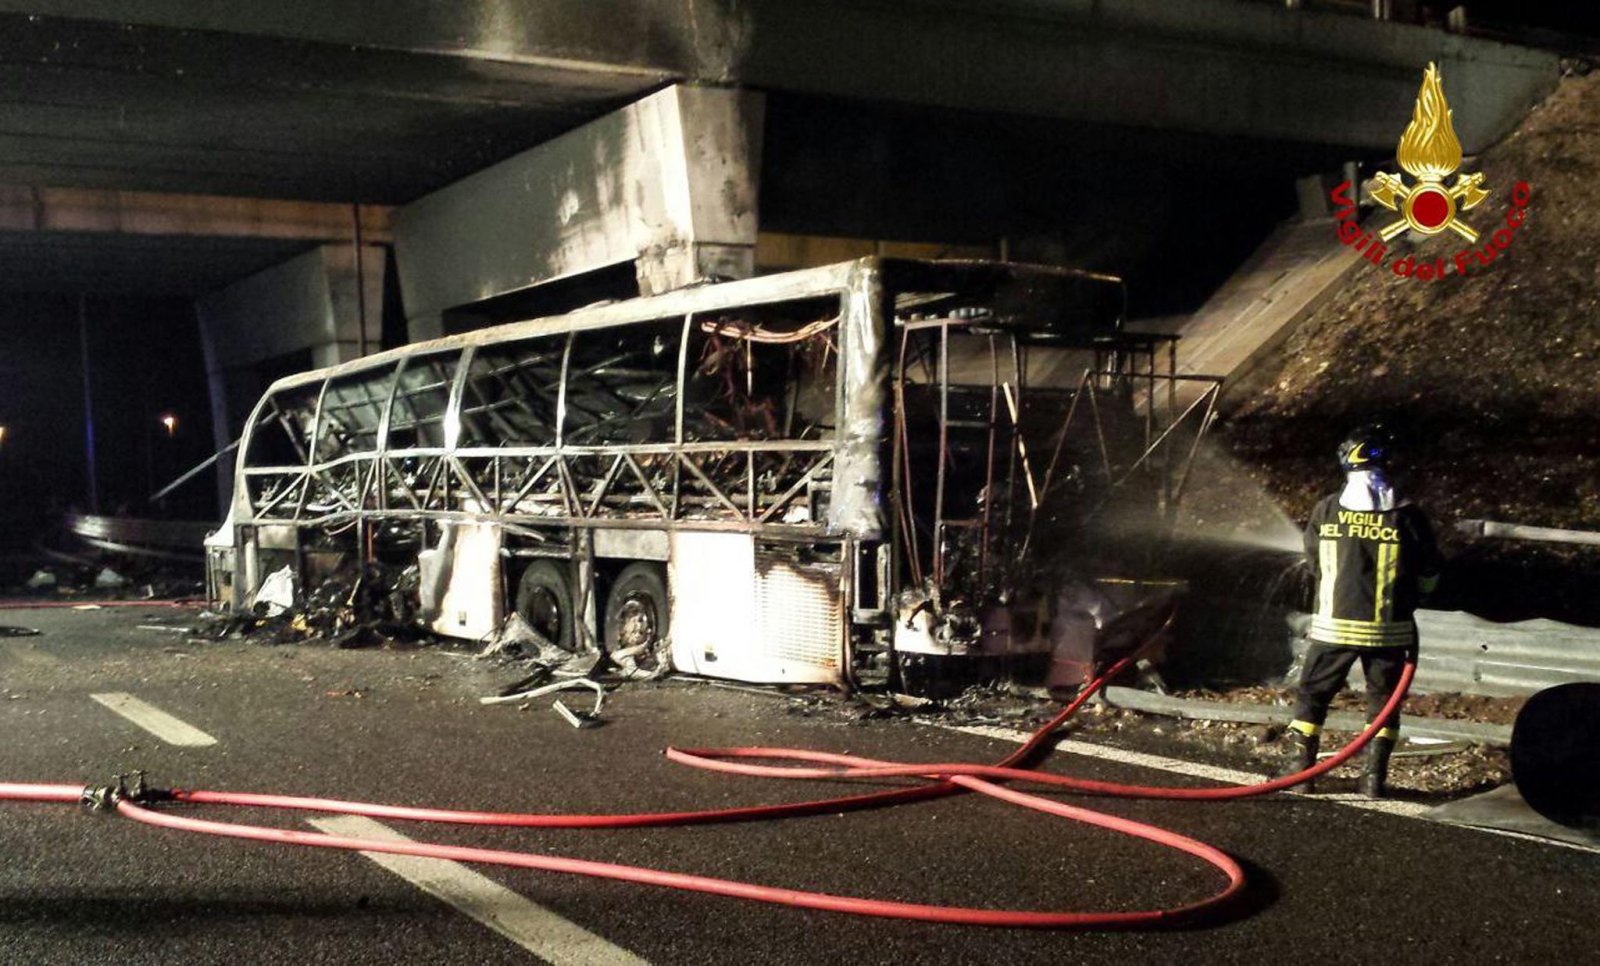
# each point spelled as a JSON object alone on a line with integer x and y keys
{"x": 146, "y": 360}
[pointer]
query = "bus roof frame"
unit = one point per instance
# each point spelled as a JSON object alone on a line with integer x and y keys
{"x": 720, "y": 296}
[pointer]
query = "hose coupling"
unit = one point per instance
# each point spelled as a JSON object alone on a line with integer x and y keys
{"x": 104, "y": 798}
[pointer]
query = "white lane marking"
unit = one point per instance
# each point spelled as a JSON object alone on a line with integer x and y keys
{"x": 154, "y": 720}
{"x": 1231, "y": 776}
{"x": 1386, "y": 806}
{"x": 529, "y": 925}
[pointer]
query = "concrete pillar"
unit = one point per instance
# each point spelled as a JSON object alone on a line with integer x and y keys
{"x": 307, "y": 311}
{"x": 1312, "y": 197}
{"x": 667, "y": 183}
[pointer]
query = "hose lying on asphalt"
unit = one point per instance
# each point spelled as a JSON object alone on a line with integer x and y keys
{"x": 945, "y": 779}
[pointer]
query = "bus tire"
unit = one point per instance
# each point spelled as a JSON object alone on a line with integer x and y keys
{"x": 546, "y": 601}
{"x": 637, "y": 620}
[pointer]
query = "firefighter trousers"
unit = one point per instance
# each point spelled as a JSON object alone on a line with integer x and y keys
{"x": 1323, "y": 673}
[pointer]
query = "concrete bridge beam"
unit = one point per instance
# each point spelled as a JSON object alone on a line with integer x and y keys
{"x": 318, "y": 309}
{"x": 667, "y": 183}
{"x": 25, "y": 208}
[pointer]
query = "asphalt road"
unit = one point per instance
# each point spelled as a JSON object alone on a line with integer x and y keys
{"x": 1328, "y": 882}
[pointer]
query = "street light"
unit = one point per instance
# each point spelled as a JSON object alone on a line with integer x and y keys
{"x": 169, "y": 422}
{"x": 2, "y": 435}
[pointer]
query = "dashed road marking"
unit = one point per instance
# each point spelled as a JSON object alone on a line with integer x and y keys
{"x": 1386, "y": 806}
{"x": 524, "y": 922}
{"x": 154, "y": 720}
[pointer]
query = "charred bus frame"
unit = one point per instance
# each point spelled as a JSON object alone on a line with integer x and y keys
{"x": 734, "y": 474}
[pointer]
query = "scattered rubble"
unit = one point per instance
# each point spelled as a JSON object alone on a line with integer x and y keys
{"x": 355, "y": 607}
{"x": 516, "y": 638}
{"x": 93, "y": 579}
{"x": 1430, "y": 769}
{"x": 1449, "y": 705}
{"x": 108, "y": 579}
{"x": 578, "y": 719}
{"x": 1466, "y": 707}
{"x": 275, "y": 595}
{"x": 376, "y": 605}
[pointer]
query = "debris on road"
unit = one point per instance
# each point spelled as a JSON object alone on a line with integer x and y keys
{"x": 367, "y": 607}
{"x": 96, "y": 580}
{"x": 1448, "y": 705}
{"x": 276, "y": 594}
{"x": 521, "y": 694}
{"x": 1426, "y": 768}
{"x": 568, "y": 684}
{"x": 578, "y": 719}
{"x": 516, "y": 638}
{"x": 7, "y": 630}
{"x": 108, "y": 579}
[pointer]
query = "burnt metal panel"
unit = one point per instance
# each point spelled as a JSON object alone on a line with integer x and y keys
{"x": 631, "y": 544}
{"x": 859, "y": 477}
{"x": 799, "y": 613}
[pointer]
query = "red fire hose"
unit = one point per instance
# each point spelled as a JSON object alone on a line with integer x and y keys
{"x": 946, "y": 779}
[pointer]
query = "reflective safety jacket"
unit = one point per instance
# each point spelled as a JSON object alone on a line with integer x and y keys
{"x": 1372, "y": 566}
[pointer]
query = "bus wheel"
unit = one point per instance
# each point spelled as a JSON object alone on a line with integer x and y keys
{"x": 545, "y": 601}
{"x": 636, "y": 620}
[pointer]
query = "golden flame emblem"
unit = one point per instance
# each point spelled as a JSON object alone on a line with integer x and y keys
{"x": 1429, "y": 149}
{"x": 1430, "y": 152}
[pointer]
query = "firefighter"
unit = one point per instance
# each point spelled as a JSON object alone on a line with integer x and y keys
{"x": 1374, "y": 557}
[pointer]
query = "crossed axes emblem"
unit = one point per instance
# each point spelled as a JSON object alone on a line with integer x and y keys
{"x": 1443, "y": 204}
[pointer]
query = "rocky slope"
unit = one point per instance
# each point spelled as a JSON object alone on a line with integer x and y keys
{"x": 1488, "y": 380}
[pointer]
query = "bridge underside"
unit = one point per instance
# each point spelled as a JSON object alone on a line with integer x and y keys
{"x": 472, "y": 153}
{"x": 373, "y": 102}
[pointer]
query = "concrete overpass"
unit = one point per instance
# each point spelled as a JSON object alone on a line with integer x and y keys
{"x": 243, "y": 154}
{"x": 384, "y": 101}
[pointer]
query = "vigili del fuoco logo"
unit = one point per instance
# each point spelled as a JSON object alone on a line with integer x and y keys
{"x": 1430, "y": 153}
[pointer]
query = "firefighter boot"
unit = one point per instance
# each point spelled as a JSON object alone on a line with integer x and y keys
{"x": 1375, "y": 768}
{"x": 1302, "y": 755}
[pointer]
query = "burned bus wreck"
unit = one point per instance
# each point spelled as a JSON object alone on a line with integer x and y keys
{"x": 923, "y": 470}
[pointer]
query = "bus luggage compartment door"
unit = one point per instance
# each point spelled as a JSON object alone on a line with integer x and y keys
{"x": 748, "y": 614}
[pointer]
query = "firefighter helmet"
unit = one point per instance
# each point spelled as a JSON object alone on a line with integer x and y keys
{"x": 1366, "y": 448}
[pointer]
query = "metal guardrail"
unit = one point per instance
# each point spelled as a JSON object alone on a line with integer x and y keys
{"x": 171, "y": 539}
{"x": 1470, "y": 655}
{"x": 1519, "y": 531}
